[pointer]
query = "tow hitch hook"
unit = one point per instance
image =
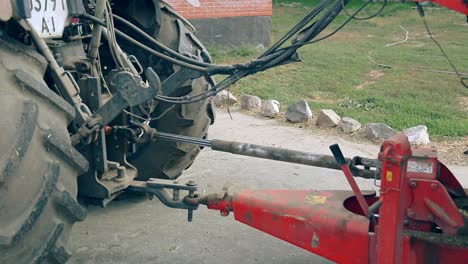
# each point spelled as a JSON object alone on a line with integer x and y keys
{"x": 168, "y": 192}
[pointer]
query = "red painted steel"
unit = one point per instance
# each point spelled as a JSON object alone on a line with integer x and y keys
{"x": 389, "y": 232}
{"x": 357, "y": 192}
{"x": 457, "y": 5}
{"x": 316, "y": 221}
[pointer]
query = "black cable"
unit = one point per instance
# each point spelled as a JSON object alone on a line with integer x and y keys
{"x": 271, "y": 58}
{"x": 159, "y": 44}
{"x": 220, "y": 69}
{"x": 146, "y": 48}
{"x": 159, "y": 54}
{"x": 301, "y": 24}
{"x": 382, "y": 7}
{"x": 238, "y": 75}
{"x": 102, "y": 23}
{"x": 463, "y": 79}
{"x": 336, "y": 30}
{"x": 94, "y": 19}
{"x": 210, "y": 68}
{"x": 312, "y": 31}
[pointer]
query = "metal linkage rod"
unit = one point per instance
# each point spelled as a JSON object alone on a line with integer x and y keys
{"x": 280, "y": 154}
{"x": 184, "y": 139}
{"x": 272, "y": 153}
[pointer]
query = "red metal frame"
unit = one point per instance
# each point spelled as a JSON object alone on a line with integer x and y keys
{"x": 457, "y": 5}
{"x": 416, "y": 197}
{"x": 389, "y": 231}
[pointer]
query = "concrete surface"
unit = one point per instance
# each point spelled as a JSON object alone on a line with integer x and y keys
{"x": 143, "y": 231}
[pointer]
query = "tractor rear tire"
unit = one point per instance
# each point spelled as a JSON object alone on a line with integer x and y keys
{"x": 38, "y": 165}
{"x": 164, "y": 159}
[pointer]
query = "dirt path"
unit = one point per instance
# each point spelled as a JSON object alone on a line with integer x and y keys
{"x": 451, "y": 150}
{"x": 143, "y": 231}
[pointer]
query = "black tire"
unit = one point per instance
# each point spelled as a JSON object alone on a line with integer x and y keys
{"x": 39, "y": 167}
{"x": 163, "y": 159}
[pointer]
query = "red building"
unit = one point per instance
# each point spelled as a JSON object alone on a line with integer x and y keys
{"x": 231, "y": 22}
{"x": 222, "y": 8}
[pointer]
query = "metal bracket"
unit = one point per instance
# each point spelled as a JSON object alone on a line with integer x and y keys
{"x": 175, "y": 80}
{"x": 130, "y": 92}
{"x": 161, "y": 189}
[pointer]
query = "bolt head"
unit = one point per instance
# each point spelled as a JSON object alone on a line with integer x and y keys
{"x": 191, "y": 183}
{"x": 224, "y": 213}
{"x": 406, "y": 222}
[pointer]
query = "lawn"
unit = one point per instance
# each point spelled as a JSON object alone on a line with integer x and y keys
{"x": 338, "y": 73}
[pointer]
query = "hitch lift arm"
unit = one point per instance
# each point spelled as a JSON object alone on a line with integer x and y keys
{"x": 145, "y": 134}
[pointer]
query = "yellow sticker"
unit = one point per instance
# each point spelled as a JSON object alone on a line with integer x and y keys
{"x": 313, "y": 199}
{"x": 389, "y": 176}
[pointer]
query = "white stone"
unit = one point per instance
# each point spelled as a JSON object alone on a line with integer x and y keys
{"x": 378, "y": 131}
{"x": 249, "y": 102}
{"x": 349, "y": 125}
{"x": 327, "y": 118}
{"x": 299, "y": 112}
{"x": 224, "y": 98}
{"x": 270, "y": 108}
{"x": 417, "y": 135}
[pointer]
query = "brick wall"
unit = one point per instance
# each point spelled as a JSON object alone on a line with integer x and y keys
{"x": 222, "y": 8}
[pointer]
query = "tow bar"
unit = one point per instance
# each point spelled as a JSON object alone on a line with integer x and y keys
{"x": 168, "y": 191}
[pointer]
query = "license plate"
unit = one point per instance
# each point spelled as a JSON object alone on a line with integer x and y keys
{"x": 49, "y": 17}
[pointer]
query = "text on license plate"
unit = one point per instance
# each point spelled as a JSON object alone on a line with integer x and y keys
{"x": 49, "y": 17}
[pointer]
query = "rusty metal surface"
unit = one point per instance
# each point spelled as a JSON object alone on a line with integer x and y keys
{"x": 371, "y": 166}
{"x": 162, "y": 192}
{"x": 273, "y": 153}
{"x": 287, "y": 155}
{"x": 434, "y": 248}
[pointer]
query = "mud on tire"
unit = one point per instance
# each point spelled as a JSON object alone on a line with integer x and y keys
{"x": 38, "y": 166}
{"x": 163, "y": 159}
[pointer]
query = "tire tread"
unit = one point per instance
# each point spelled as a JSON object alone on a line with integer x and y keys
{"x": 25, "y": 225}
{"x": 26, "y": 128}
{"x": 66, "y": 151}
{"x": 49, "y": 245}
{"x": 39, "y": 89}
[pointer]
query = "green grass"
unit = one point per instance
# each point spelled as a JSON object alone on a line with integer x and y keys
{"x": 335, "y": 73}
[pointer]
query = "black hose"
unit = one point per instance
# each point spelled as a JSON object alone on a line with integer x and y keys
{"x": 143, "y": 46}
{"x": 159, "y": 44}
{"x": 271, "y": 58}
{"x": 353, "y": 16}
{"x": 159, "y": 54}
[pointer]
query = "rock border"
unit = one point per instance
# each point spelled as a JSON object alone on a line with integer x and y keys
{"x": 300, "y": 113}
